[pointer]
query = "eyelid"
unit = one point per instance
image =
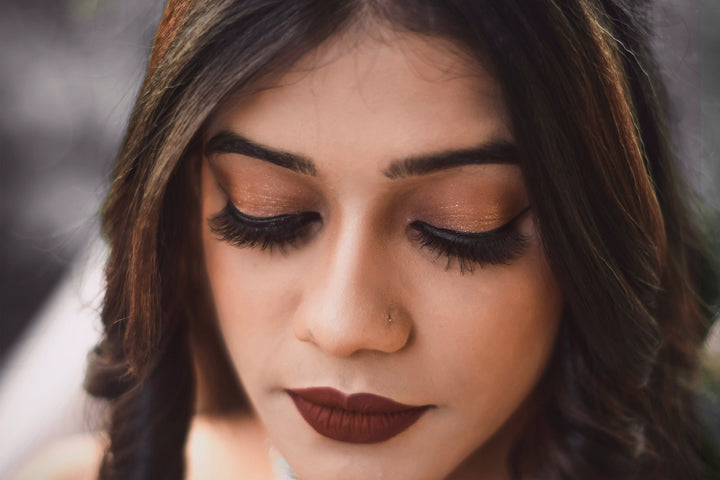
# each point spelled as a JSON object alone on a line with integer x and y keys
{"x": 242, "y": 230}
{"x": 233, "y": 170}
{"x": 469, "y": 249}
{"x": 275, "y": 220}
{"x": 444, "y": 232}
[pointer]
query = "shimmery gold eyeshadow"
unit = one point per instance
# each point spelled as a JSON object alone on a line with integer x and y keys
{"x": 475, "y": 202}
{"x": 260, "y": 189}
{"x": 467, "y": 199}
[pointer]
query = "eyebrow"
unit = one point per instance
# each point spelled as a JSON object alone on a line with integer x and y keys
{"x": 229, "y": 142}
{"x": 502, "y": 152}
{"x": 498, "y": 152}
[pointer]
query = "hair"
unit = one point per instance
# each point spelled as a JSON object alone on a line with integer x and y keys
{"x": 589, "y": 115}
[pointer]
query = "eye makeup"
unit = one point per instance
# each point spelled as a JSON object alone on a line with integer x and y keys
{"x": 469, "y": 249}
{"x": 450, "y": 216}
{"x": 279, "y": 231}
{"x": 473, "y": 199}
{"x": 260, "y": 189}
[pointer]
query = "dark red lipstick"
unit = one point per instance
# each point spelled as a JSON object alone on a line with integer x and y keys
{"x": 357, "y": 418}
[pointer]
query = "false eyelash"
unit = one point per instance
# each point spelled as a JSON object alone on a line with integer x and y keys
{"x": 498, "y": 246}
{"x": 242, "y": 230}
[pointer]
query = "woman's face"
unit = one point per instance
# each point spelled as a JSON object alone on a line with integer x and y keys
{"x": 366, "y": 229}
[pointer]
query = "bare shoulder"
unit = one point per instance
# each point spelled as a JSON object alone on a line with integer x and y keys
{"x": 227, "y": 448}
{"x": 76, "y": 458}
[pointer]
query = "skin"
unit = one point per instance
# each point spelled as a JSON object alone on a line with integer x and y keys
{"x": 473, "y": 344}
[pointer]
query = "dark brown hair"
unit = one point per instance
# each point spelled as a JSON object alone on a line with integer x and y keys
{"x": 588, "y": 114}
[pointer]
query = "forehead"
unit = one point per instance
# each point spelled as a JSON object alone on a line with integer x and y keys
{"x": 394, "y": 96}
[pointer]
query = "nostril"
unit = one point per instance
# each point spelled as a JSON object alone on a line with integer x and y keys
{"x": 304, "y": 333}
{"x": 398, "y": 329}
{"x": 342, "y": 333}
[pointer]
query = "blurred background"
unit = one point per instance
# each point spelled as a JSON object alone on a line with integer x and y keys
{"x": 69, "y": 73}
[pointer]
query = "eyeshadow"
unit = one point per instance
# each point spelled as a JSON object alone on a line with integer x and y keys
{"x": 261, "y": 189}
{"x": 470, "y": 203}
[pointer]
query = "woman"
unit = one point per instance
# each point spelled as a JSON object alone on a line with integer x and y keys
{"x": 429, "y": 239}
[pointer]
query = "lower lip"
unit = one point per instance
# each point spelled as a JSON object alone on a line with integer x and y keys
{"x": 355, "y": 426}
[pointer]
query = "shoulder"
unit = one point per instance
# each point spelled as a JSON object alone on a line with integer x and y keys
{"x": 227, "y": 447}
{"x": 76, "y": 458}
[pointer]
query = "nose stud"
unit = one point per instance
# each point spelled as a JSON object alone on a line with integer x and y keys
{"x": 389, "y": 319}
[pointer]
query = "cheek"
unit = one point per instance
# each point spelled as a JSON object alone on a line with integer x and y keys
{"x": 249, "y": 297}
{"x": 490, "y": 335}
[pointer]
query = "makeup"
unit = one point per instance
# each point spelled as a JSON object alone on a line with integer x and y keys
{"x": 262, "y": 189}
{"x": 501, "y": 245}
{"x": 498, "y": 246}
{"x": 357, "y": 418}
{"x": 242, "y": 230}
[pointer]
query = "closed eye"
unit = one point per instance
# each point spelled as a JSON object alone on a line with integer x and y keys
{"x": 242, "y": 230}
{"x": 469, "y": 249}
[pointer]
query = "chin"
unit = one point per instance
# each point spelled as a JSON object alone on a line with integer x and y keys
{"x": 363, "y": 469}
{"x": 376, "y": 461}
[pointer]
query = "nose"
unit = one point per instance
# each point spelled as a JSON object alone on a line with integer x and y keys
{"x": 351, "y": 302}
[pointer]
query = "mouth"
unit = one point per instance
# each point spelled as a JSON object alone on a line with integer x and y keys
{"x": 357, "y": 418}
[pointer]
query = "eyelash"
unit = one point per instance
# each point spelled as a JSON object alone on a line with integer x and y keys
{"x": 265, "y": 233}
{"x": 493, "y": 247}
{"x": 498, "y": 246}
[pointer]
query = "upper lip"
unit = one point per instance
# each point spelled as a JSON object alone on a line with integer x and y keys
{"x": 357, "y": 402}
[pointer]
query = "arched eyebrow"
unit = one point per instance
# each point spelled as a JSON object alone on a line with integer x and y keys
{"x": 231, "y": 142}
{"x": 502, "y": 152}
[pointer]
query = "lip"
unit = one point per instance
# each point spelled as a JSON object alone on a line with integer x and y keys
{"x": 357, "y": 418}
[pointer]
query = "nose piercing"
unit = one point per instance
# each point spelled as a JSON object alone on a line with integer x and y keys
{"x": 389, "y": 319}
